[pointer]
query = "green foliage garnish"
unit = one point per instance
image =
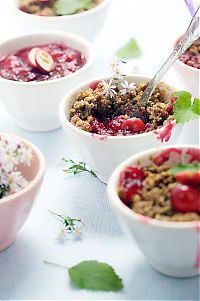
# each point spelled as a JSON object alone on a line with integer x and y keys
{"x": 3, "y": 190}
{"x": 77, "y": 167}
{"x": 94, "y": 275}
{"x": 69, "y": 223}
{"x": 129, "y": 51}
{"x": 184, "y": 108}
{"x": 185, "y": 167}
{"x": 69, "y": 7}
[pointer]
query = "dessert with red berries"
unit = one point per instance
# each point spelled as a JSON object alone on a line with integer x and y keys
{"x": 191, "y": 57}
{"x": 165, "y": 186}
{"x": 41, "y": 63}
{"x": 110, "y": 107}
{"x": 56, "y": 7}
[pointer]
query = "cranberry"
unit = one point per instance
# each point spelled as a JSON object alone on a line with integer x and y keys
{"x": 98, "y": 127}
{"x": 93, "y": 85}
{"x": 171, "y": 106}
{"x": 116, "y": 124}
{"x": 135, "y": 125}
{"x": 188, "y": 178}
{"x": 165, "y": 155}
{"x": 185, "y": 199}
{"x": 131, "y": 180}
{"x": 194, "y": 154}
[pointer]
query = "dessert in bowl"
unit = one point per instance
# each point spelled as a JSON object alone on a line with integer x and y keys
{"x": 106, "y": 126}
{"x": 156, "y": 197}
{"x": 75, "y": 17}
{"x": 21, "y": 174}
{"x": 188, "y": 68}
{"x": 36, "y": 70}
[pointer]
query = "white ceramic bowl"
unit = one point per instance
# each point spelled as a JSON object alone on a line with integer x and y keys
{"x": 34, "y": 105}
{"x": 189, "y": 76}
{"x": 86, "y": 24}
{"x": 172, "y": 248}
{"x": 101, "y": 153}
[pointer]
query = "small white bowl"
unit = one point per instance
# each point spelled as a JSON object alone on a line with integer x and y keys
{"x": 189, "y": 76}
{"x": 34, "y": 105}
{"x": 172, "y": 248}
{"x": 102, "y": 153}
{"x": 86, "y": 24}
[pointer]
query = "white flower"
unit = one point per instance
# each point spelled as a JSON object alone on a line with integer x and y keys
{"x": 127, "y": 88}
{"x": 16, "y": 181}
{"x": 109, "y": 88}
{"x": 115, "y": 67}
{"x": 13, "y": 153}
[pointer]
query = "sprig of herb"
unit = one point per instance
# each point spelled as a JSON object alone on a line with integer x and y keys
{"x": 71, "y": 225}
{"x": 185, "y": 109}
{"x": 4, "y": 189}
{"x": 93, "y": 275}
{"x": 129, "y": 51}
{"x": 185, "y": 167}
{"x": 77, "y": 167}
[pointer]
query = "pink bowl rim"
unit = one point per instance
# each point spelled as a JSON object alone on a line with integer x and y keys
{"x": 193, "y": 69}
{"x": 124, "y": 210}
{"x": 37, "y": 177}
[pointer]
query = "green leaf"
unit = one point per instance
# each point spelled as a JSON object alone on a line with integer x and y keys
{"x": 94, "y": 275}
{"x": 129, "y": 50}
{"x": 185, "y": 167}
{"x": 196, "y": 106}
{"x": 68, "y": 7}
{"x": 184, "y": 109}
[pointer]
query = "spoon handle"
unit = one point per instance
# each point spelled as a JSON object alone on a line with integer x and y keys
{"x": 189, "y": 37}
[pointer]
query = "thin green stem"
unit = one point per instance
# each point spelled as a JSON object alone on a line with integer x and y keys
{"x": 55, "y": 264}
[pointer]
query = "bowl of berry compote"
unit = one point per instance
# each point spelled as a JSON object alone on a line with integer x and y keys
{"x": 188, "y": 68}
{"x": 35, "y": 72}
{"x": 156, "y": 196}
{"x": 106, "y": 124}
{"x": 82, "y": 17}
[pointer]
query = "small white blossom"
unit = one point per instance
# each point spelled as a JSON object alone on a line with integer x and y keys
{"x": 109, "y": 88}
{"x": 127, "y": 88}
{"x": 12, "y": 153}
{"x": 116, "y": 70}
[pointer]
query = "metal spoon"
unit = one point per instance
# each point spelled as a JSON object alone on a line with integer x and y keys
{"x": 190, "y": 36}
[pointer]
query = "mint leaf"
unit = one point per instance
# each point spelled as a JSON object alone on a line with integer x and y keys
{"x": 184, "y": 109}
{"x": 94, "y": 275}
{"x": 196, "y": 106}
{"x": 129, "y": 50}
{"x": 185, "y": 167}
{"x": 68, "y": 7}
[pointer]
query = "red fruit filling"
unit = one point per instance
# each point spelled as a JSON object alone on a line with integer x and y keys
{"x": 118, "y": 126}
{"x": 156, "y": 188}
{"x": 93, "y": 85}
{"x": 185, "y": 199}
{"x": 194, "y": 155}
{"x": 131, "y": 181}
{"x": 20, "y": 66}
{"x": 189, "y": 178}
{"x": 171, "y": 106}
{"x": 165, "y": 155}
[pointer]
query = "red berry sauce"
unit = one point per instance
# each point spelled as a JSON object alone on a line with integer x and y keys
{"x": 15, "y": 66}
{"x": 118, "y": 126}
{"x": 191, "y": 57}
